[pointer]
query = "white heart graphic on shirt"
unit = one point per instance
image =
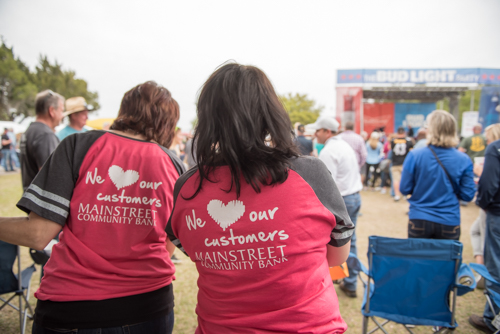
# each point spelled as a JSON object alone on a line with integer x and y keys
{"x": 225, "y": 215}
{"x": 122, "y": 179}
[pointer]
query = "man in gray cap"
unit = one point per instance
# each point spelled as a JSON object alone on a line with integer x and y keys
{"x": 77, "y": 111}
{"x": 341, "y": 160}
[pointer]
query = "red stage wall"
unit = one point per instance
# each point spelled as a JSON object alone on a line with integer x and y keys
{"x": 349, "y": 105}
{"x": 377, "y": 115}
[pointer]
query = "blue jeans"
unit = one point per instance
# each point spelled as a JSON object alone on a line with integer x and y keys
{"x": 15, "y": 158}
{"x": 353, "y": 204}
{"x": 392, "y": 183}
{"x": 419, "y": 228}
{"x": 162, "y": 325}
{"x": 7, "y": 160}
{"x": 492, "y": 261}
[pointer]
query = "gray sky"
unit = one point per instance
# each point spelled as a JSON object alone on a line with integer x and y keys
{"x": 115, "y": 45}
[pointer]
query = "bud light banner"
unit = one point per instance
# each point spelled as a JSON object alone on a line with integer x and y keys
{"x": 420, "y": 76}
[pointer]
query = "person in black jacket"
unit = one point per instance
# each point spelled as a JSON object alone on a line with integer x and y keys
{"x": 305, "y": 145}
{"x": 488, "y": 198}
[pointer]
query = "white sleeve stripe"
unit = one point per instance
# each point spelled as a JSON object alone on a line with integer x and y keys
{"x": 49, "y": 195}
{"x": 46, "y": 205}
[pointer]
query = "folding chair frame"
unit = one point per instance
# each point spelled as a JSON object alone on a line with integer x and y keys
{"x": 23, "y": 295}
{"x": 483, "y": 271}
{"x": 407, "y": 327}
{"x": 368, "y": 283}
{"x": 488, "y": 299}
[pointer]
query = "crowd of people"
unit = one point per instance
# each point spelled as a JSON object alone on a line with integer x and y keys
{"x": 9, "y": 156}
{"x": 262, "y": 218}
{"x": 433, "y": 174}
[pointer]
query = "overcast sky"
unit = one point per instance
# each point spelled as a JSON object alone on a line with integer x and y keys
{"x": 115, "y": 45}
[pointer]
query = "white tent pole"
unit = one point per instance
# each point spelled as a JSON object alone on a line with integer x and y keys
{"x": 472, "y": 95}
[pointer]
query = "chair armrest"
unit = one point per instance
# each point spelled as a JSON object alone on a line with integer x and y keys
{"x": 483, "y": 271}
{"x": 354, "y": 263}
{"x": 465, "y": 281}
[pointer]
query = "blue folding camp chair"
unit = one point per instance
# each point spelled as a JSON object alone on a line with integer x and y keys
{"x": 491, "y": 295}
{"x": 412, "y": 282}
{"x": 18, "y": 285}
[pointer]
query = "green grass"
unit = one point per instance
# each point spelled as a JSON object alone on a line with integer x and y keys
{"x": 381, "y": 216}
{"x": 11, "y": 191}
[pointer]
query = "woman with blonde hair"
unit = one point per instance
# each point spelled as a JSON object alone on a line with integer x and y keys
{"x": 373, "y": 150}
{"x": 438, "y": 177}
{"x": 492, "y": 133}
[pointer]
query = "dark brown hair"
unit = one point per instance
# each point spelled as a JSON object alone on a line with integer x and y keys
{"x": 148, "y": 109}
{"x": 242, "y": 124}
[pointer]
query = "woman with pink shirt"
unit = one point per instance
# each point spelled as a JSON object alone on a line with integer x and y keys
{"x": 262, "y": 223}
{"x": 111, "y": 193}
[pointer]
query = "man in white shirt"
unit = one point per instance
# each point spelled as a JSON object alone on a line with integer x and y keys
{"x": 341, "y": 160}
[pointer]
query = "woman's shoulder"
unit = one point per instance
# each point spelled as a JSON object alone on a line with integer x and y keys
{"x": 304, "y": 162}
{"x": 309, "y": 167}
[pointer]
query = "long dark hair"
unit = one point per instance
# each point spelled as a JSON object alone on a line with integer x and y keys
{"x": 148, "y": 109}
{"x": 243, "y": 124}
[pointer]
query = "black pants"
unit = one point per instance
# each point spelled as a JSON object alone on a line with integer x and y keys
{"x": 376, "y": 173}
{"x": 162, "y": 325}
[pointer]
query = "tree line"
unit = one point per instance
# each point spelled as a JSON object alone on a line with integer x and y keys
{"x": 19, "y": 85}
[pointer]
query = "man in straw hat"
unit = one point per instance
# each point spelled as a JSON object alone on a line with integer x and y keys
{"x": 77, "y": 111}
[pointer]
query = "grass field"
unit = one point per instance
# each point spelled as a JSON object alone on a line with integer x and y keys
{"x": 381, "y": 216}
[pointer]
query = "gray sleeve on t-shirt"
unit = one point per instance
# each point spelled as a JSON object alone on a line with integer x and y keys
{"x": 50, "y": 193}
{"x": 317, "y": 175}
{"x": 178, "y": 164}
{"x": 177, "y": 188}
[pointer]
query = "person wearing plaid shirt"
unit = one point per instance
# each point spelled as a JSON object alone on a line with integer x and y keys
{"x": 356, "y": 142}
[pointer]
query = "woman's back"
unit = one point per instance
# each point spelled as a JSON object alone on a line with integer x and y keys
{"x": 262, "y": 257}
{"x": 253, "y": 216}
{"x": 433, "y": 197}
{"x": 373, "y": 154}
{"x": 118, "y": 208}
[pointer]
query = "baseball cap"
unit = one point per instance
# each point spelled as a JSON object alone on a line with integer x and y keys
{"x": 326, "y": 123}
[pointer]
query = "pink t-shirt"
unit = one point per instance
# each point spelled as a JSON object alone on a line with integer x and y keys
{"x": 113, "y": 196}
{"x": 261, "y": 258}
